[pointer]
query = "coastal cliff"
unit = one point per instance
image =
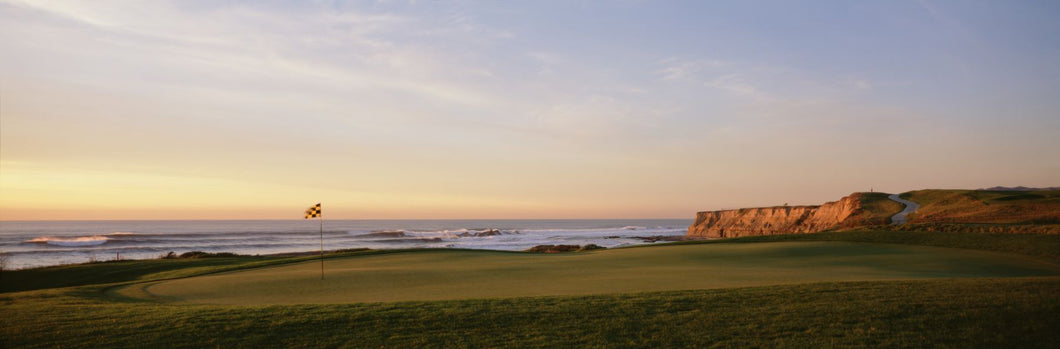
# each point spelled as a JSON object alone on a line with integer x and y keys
{"x": 848, "y": 211}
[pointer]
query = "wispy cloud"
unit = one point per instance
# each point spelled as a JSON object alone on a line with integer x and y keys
{"x": 736, "y": 84}
{"x": 675, "y": 69}
{"x": 80, "y": 12}
{"x": 351, "y": 49}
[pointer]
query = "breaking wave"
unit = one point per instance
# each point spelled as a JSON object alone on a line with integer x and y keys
{"x": 383, "y": 234}
{"x": 49, "y": 243}
{"x": 75, "y": 241}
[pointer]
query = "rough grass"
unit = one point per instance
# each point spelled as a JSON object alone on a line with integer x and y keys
{"x": 984, "y": 206}
{"x": 1039, "y": 245}
{"x": 127, "y": 270}
{"x": 147, "y": 269}
{"x": 982, "y": 228}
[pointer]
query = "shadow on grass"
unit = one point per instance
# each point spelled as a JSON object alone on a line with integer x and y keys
{"x": 126, "y": 271}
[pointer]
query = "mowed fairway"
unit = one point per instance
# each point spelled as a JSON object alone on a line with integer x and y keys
{"x": 462, "y": 274}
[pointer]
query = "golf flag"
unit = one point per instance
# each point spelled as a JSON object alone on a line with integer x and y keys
{"x": 312, "y": 211}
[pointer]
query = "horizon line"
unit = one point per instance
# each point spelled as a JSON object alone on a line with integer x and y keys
{"x": 338, "y": 219}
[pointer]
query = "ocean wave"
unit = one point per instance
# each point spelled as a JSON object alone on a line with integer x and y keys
{"x": 382, "y": 234}
{"x": 75, "y": 241}
{"x": 489, "y": 233}
{"x": 441, "y": 233}
{"x": 121, "y": 233}
{"x": 431, "y": 236}
{"x": 408, "y": 241}
{"x": 481, "y": 233}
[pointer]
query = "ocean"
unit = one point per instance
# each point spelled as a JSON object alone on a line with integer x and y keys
{"x": 27, "y": 244}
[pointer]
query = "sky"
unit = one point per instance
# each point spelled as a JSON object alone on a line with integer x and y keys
{"x": 515, "y": 109}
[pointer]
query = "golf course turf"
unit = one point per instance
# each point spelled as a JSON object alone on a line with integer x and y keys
{"x": 467, "y": 274}
{"x": 782, "y": 293}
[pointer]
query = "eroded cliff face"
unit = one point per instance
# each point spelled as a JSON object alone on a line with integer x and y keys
{"x": 774, "y": 220}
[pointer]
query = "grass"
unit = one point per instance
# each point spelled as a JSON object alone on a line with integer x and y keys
{"x": 464, "y": 274}
{"x": 984, "y": 206}
{"x": 876, "y": 208}
{"x": 146, "y": 270}
{"x": 115, "y": 271}
{"x": 1039, "y": 245}
{"x": 1012, "y": 312}
{"x": 129, "y": 270}
{"x": 940, "y": 312}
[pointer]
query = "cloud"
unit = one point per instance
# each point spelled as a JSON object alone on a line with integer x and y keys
{"x": 684, "y": 70}
{"x": 505, "y": 34}
{"x": 79, "y": 12}
{"x": 350, "y": 49}
{"x": 736, "y": 84}
{"x": 546, "y": 58}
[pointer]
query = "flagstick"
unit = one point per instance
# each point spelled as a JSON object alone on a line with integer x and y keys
{"x": 321, "y": 244}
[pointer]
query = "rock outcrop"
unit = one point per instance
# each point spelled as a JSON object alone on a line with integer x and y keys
{"x": 776, "y": 220}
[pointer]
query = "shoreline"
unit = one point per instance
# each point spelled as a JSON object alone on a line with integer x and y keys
{"x": 647, "y": 240}
{"x": 37, "y": 244}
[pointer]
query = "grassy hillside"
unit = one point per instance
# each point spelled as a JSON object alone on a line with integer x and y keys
{"x": 130, "y": 270}
{"x": 1039, "y": 245}
{"x": 982, "y": 206}
{"x": 118, "y": 271}
{"x": 876, "y": 209}
{"x": 149, "y": 269}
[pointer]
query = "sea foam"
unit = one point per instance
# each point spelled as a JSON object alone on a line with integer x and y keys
{"x": 76, "y": 241}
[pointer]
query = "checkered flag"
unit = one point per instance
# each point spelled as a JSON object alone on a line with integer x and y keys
{"x": 312, "y": 211}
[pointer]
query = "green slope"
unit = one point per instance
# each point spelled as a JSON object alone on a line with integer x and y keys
{"x": 984, "y": 206}
{"x": 876, "y": 209}
{"x": 463, "y": 274}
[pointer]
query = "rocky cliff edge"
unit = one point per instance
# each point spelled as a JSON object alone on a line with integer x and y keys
{"x": 780, "y": 219}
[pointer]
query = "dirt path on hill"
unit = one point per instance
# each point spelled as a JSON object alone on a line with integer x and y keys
{"x": 910, "y": 207}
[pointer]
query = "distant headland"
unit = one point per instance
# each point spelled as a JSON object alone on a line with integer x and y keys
{"x": 996, "y": 209}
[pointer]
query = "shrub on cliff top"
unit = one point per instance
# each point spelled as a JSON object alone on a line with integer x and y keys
{"x": 591, "y": 247}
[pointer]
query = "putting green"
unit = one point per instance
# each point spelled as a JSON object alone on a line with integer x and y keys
{"x": 463, "y": 274}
